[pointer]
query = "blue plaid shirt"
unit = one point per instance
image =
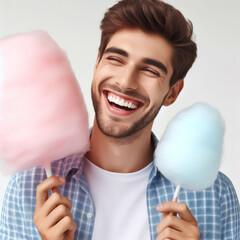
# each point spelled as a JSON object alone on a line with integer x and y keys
{"x": 216, "y": 209}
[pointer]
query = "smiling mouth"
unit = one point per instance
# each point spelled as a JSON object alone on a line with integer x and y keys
{"x": 121, "y": 103}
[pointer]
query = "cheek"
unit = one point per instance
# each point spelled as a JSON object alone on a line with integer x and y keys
{"x": 94, "y": 88}
{"x": 156, "y": 93}
{"x": 100, "y": 75}
{"x": 152, "y": 87}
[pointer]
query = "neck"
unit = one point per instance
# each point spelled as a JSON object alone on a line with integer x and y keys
{"x": 123, "y": 155}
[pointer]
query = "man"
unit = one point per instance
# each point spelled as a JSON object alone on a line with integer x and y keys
{"x": 115, "y": 190}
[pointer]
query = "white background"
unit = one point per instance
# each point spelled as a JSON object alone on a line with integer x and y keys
{"x": 214, "y": 77}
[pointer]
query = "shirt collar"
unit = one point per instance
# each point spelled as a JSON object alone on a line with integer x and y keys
{"x": 155, "y": 143}
{"x": 74, "y": 163}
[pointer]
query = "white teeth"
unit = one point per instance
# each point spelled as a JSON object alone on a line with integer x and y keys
{"x": 134, "y": 106}
{"x": 126, "y": 104}
{"x": 121, "y": 102}
{"x": 110, "y": 98}
{"x": 117, "y": 100}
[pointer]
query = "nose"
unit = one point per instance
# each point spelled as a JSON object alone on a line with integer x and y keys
{"x": 127, "y": 78}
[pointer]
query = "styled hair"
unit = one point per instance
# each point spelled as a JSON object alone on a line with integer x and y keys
{"x": 153, "y": 16}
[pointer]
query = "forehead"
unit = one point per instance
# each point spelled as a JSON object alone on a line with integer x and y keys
{"x": 139, "y": 45}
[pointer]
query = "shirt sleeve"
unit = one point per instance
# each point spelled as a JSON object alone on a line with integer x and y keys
{"x": 11, "y": 224}
{"x": 18, "y": 209}
{"x": 230, "y": 212}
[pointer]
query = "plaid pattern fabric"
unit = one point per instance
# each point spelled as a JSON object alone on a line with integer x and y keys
{"x": 216, "y": 209}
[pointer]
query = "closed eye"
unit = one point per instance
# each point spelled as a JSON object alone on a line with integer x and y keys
{"x": 150, "y": 71}
{"x": 115, "y": 59}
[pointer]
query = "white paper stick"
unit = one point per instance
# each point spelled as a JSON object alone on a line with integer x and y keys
{"x": 49, "y": 172}
{"x": 175, "y": 197}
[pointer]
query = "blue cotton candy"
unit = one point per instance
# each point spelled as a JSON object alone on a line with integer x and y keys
{"x": 189, "y": 152}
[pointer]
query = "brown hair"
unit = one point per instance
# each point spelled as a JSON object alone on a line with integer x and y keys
{"x": 153, "y": 16}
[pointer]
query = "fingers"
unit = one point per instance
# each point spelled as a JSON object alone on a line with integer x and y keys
{"x": 42, "y": 189}
{"x": 175, "y": 223}
{"x": 53, "y": 202}
{"x": 180, "y": 208}
{"x": 67, "y": 225}
{"x": 173, "y": 227}
{"x": 52, "y": 216}
{"x": 64, "y": 229}
{"x": 172, "y": 234}
{"x": 58, "y": 215}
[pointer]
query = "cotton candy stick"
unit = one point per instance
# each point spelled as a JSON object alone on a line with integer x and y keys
{"x": 176, "y": 193}
{"x": 175, "y": 196}
{"x": 189, "y": 152}
{"x": 43, "y": 116}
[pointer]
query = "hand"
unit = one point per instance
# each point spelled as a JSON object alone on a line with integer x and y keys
{"x": 172, "y": 227}
{"x": 52, "y": 216}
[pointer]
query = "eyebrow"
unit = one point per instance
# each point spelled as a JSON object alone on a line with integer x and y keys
{"x": 116, "y": 50}
{"x": 149, "y": 61}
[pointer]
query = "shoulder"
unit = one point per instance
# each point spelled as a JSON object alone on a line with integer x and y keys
{"x": 229, "y": 207}
{"x": 223, "y": 179}
{"x": 32, "y": 177}
{"x": 23, "y": 184}
{"x": 223, "y": 183}
{"x": 226, "y": 191}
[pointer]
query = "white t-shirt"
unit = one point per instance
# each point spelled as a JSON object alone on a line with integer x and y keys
{"x": 120, "y": 203}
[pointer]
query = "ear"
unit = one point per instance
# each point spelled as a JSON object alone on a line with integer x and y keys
{"x": 97, "y": 62}
{"x": 174, "y": 92}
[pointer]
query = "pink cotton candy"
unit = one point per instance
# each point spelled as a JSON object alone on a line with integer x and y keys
{"x": 43, "y": 116}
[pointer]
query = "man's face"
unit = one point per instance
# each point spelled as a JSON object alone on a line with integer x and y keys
{"x": 131, "y": 82}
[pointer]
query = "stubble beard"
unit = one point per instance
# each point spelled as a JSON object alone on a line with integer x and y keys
{"x": 117, "y": 130}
